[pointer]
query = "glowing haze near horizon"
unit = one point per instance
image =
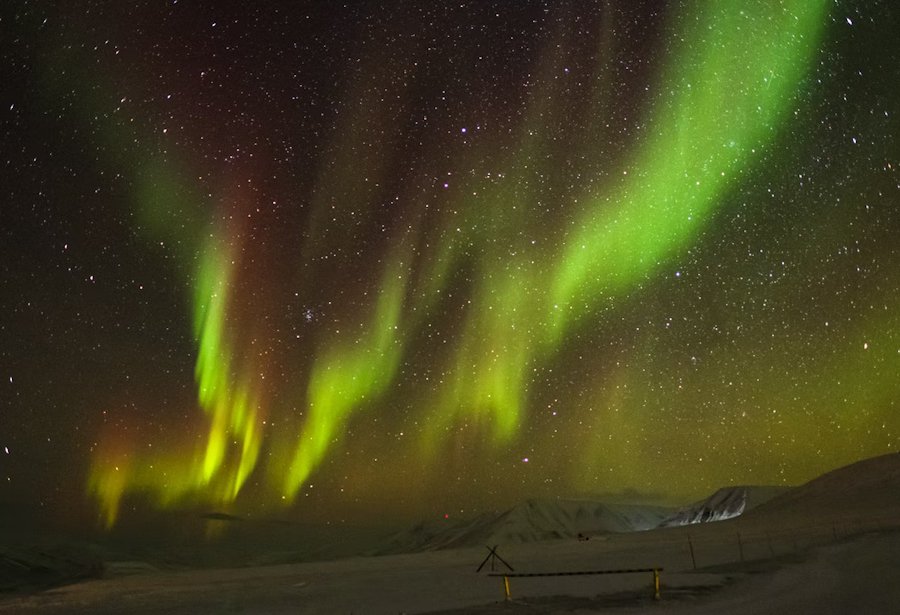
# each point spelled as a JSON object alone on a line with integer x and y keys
{"x": 339, "y": 262}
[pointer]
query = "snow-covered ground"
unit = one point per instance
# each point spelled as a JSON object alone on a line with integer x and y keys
{"x": 857, "y": 569}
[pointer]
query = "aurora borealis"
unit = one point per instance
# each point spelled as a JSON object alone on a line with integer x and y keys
{"x": 403, "y": 259}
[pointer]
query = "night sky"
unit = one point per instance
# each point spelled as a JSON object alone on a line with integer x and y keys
{"x": 399, "y": 259}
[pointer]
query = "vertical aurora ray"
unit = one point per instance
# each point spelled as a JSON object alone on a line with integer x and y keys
{"x": 226, "y": 392}
{"x": 233, "y": 408}
{"x": 487, "y": 385}
{"x": 346, "y": 375}
{"x": 731, "y": 82}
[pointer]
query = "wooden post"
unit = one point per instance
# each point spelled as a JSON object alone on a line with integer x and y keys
{"x": 691, "y": 546}
{"x": 493, "y": 556}
{"x": 506, "y": 587}
{"x": 656, "y": 583}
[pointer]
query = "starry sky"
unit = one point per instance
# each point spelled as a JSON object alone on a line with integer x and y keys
{"x": 397, "y": 259}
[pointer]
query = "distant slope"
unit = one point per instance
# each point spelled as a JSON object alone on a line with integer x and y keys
{"x": 866, "y": 488}
{"x": 544, "y": 519}
{"x": 531, "y": 521}
{"x": 36, "y": 568}
{"x": 725, "y": 503}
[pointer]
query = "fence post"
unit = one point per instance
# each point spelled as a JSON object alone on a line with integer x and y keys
{"x": 506, "y": 587}
{"x": 691, "y": 546}
{"x": 656, "y": 583}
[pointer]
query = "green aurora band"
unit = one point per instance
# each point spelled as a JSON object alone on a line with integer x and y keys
{"x": 725, "y": 89}
{"x": 345, "y": 375}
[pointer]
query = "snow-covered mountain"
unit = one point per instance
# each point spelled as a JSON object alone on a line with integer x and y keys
{"x": 726, "y": 503}
{"x": 533, "y": 520}
{"x": 870, "y": 487}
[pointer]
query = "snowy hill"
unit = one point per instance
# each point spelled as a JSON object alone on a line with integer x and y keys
{"x": 725, "y": 503}
{"x": 869, "y": 487}
{"x": 531, "y": 521}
